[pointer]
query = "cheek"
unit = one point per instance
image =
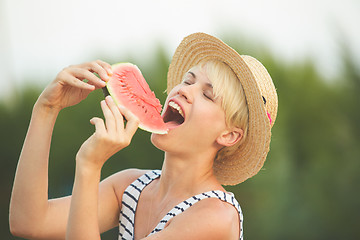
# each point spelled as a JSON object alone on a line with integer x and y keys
{"x": 211, "y": 119}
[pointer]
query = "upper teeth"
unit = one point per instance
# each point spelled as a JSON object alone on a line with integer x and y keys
{"x": 177, "y": 107}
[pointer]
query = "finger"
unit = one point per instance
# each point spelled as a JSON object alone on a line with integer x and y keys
{"x": 109, "y": 117}
{"x": 106, "y": 66}
{"x": 99, "y": 125}
{"x": 75, "y": 82}
{"x": 95, "y": 67}
{"x": 119, "y": 119}
{"x": 132, "y": 121}
{"x": 83, "y": 74}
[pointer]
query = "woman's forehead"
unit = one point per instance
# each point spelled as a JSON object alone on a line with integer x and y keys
{"x": 198, "y": 73}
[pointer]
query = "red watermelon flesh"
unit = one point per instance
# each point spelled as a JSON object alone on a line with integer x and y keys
{"x": 129, "y": 89}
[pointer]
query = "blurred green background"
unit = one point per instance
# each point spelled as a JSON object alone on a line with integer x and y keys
{"x": 309, "y": 186}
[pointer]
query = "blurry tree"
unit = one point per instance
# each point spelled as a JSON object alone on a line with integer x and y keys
{"x": 308, "y": 187}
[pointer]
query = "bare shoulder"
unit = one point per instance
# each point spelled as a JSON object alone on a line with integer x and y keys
{"x": 208, "y": 219}
{"x": 216, "y": 208}
{"x": 221, "y": 216}
{"x": 128, "y": 175}
{"x": 121, "y": 180}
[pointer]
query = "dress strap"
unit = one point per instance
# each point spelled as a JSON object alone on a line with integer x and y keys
{"x": 129, "y": 202}
{"x": 181, "y": 207}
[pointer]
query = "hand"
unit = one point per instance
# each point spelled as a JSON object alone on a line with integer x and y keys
{"x": 69, "y": 87}
{"x": 109, "y": 137}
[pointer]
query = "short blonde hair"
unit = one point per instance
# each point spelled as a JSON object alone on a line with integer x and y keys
{"x": 227, "y": 86}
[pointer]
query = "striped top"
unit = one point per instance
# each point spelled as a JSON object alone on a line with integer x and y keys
{"x": 131, "y": 196}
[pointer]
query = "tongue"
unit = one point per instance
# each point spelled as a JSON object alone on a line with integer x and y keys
{"x": 171, "y": 124}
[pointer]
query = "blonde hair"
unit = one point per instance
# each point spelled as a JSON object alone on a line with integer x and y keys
{"x": 227, "y": 86}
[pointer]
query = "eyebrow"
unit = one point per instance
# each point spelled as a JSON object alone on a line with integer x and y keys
{"x": 194, "y": 76}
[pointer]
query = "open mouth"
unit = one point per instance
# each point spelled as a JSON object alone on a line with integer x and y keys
{"x": 174, "y": 115}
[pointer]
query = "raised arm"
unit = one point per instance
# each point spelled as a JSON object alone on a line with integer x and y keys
{"x": 109, "y": 137}
{"x": 30, "y": 209}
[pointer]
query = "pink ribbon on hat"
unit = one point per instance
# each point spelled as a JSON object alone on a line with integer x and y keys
{"x": 269, "y": 116}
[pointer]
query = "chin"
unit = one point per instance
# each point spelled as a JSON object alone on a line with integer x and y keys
{"x": 166, "y": 142}
{"x": 157, "y": 140}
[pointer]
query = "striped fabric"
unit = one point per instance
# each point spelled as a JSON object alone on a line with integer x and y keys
{"x": 129, "y": 203}
{"x": 132, "y": 194}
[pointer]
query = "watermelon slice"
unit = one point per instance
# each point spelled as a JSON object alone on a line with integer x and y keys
{"x": 129, "y": 89}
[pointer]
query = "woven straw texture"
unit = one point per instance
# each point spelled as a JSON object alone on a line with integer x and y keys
{"x": 257, "y": 84}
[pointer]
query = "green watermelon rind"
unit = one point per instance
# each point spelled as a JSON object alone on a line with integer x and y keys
{"x": 118, "y": 103}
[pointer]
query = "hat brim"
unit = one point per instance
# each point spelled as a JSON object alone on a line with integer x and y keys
{"x": 250, "y": 156}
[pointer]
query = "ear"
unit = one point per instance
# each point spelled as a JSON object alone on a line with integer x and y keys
{"x": 230, "y": 137}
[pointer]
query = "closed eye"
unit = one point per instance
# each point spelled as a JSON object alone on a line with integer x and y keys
{"x": 189, "y": 79}
{"x": 187, "y": 82}
{"x": 209, "y": 96}
{"x": 208, "y": 88}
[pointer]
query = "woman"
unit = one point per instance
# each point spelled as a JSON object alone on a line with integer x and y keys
{"x": 220, "y": 109}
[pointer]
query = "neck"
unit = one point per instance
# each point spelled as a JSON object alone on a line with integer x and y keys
{"x": 188, "y": 175}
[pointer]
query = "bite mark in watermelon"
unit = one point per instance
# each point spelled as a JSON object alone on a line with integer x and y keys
{"x": 128, "y": 88}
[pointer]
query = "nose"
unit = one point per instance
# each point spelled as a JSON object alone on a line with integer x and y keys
{"x": 187, "y": 92}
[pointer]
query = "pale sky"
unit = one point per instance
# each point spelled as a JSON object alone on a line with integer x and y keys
{"x": 40, "y": 37}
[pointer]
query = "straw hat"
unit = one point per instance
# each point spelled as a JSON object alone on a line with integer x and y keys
{"x": 260, "y": 95}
